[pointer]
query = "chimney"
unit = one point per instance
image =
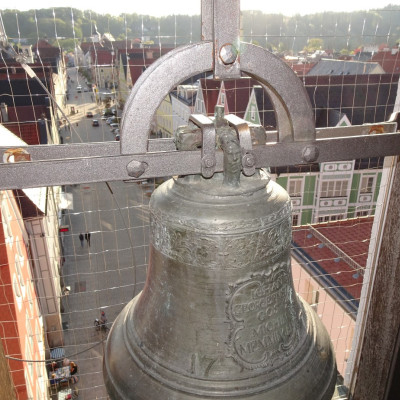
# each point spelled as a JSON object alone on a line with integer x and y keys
{"x": 43, "y": 131}
{"x": 4, "y": 112}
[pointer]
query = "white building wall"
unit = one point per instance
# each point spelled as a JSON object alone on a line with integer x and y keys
{"x": 338, "y": 323}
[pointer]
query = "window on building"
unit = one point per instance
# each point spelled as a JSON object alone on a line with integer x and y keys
{"x": 311, "y": 294}
{"x": 253, "y": 112}
{"x": 17, "y": 289}
{"x": 38, "y": 332}
{"x": 19, "y": 271}
{"x": 295, "y": 187}
{"x": 295, "y": 219}
{"x": 328, "y": 218}
{"x": 334, "y": 188}
{"x": 363, "y": 213}
{"x": 6, "y": 218}
{"x": 30, "y": 299}
{"x": 367, "y": 183}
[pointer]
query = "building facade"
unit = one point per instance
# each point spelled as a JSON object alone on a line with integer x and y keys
{"x": 21, "y": 320}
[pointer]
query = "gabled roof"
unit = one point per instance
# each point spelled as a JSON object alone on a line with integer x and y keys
{"x": 335, "y": 254}
{"x": 86, "y": 46}
{"x": 31, "y": 202}
{"x": 26, "y": 204}
{"x": 237, "y": 94}
{"x": 122, "y": 44}
{"x": 302, "y": 69}
{"x": 342, "y": 67}
{"x": 103, "y": 57}
{"x": 28, "y": 132}
{"x": 45, "y": 50}
{"x": 363, "y": 98}
{"x": 24, "y": 92}
{"x": 27, "y": 113}
{"x": 389, "y": 60}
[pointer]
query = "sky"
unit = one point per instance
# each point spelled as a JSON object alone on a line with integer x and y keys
{"x": 165, "y": 7}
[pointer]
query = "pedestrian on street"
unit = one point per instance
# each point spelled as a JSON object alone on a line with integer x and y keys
{"x": 81, "y": 238}
{"x": 87, "y": 237}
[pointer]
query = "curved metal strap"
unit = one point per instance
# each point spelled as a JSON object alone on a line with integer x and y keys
{"x": 294, "y": 116}
{"x": 208, "y": 161}
{"x": 243, "y": 131}
{"x": 153, "y": 85}
{"x": 285, "y": 89}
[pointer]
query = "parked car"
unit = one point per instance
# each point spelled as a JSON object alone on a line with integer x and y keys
{"x": 95, "y": 122}
{"x": 79, "y": 89}
{"x": 117, "y": 137}
{"x": 114, "y": 126}
{"x": 107, "y": 112}
{"x": 89, "y": 114}
{"x": 104, "y": 117}
{"x": 111, "y": 120}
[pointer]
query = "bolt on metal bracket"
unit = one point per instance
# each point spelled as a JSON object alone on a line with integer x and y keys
{"x": 243, "y": 132}
{"x": 208, "y": 161}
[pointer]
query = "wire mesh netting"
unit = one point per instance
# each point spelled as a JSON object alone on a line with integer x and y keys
{"x": 71, "y": 252}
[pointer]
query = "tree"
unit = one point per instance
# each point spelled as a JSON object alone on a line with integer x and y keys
{"x": 314, "y": 44}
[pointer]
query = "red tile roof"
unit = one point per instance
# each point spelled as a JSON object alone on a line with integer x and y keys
{"x": 46, "y": 50}
{"x": 27, "y": 113}
{"x": 334, "y": 246}
{"x": 388, "y": 61}
{"x": 28, "y": 132}
{"x": 86, "y": 46}
{"x": 102, "y": 57}
{"x": 26, "y": 206}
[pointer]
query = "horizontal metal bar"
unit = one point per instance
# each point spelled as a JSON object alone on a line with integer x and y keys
{"x": 168, "y": 163}
{"x": 105, "y": 149}
{"x": 100, "y": 149}
{"x": 356, "y": 130}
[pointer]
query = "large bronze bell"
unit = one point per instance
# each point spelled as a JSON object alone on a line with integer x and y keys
{"x": 218, "y": 317}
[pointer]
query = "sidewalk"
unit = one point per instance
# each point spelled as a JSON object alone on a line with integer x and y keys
{"x": 102, "y": 276}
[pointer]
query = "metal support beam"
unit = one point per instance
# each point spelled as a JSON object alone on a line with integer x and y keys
{"x": 167, "y": 163}
{"x": 226, "y": 39}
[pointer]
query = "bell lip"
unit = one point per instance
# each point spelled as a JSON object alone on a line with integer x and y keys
{"x": 207, "y": 388}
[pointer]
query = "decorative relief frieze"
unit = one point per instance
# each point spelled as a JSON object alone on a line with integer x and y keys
{"x": 213, "y": 249}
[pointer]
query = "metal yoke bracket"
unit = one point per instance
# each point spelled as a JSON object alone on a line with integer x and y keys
{"x": 243, "y": 132}
{"x": 207, "y": 127}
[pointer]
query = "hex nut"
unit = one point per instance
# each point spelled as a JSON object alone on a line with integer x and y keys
{"x": 228, "y": 54}
{"x": 136, "y": 168}
{"x": 310, "y": 153}
{"x": 248, "y": 160}
{"x": 208, "y": 162}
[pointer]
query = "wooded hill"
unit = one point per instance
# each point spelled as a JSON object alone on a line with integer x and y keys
{"x": 335, "y": 30}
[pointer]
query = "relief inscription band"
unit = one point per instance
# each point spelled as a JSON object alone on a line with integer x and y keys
{"x": 207, "y": 246}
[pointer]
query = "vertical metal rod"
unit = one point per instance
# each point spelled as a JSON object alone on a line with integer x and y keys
{"x": 207, "y": 19}
{"x": 226, "y": 39}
